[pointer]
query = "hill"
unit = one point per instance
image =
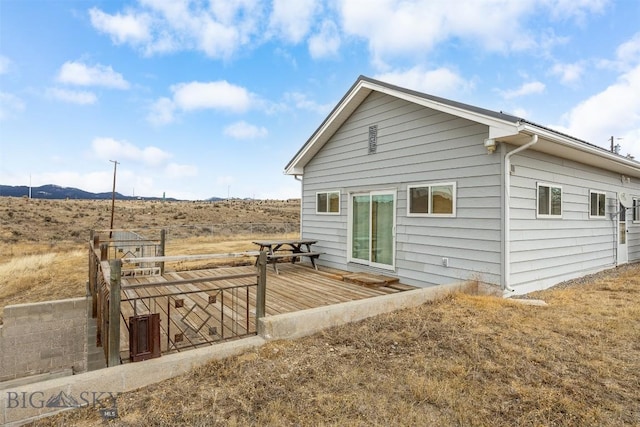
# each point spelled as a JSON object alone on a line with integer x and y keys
{"x": 57, "y": 192}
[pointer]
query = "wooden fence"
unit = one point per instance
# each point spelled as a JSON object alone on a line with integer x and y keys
{"x": 219, "y": 311}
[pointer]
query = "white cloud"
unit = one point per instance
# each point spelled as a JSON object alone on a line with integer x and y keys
{"x": 409, "y": 28}
{"x": 244, "y": 130}
{"x": 73, "y": 96}
{"x": 162, "y": 112}
{"x": 614, "y": 111}
{"x": 77, "y": 73}
{"x": 441, "y": 81}
{"x": 575, "y": 9}
{"x": 128, "y": 28}
{"x": 292, "y": 19}
{"x": 627, "y": 55}
{"x": 526, "y": 89}
{"x": 521, "y": 112}
{"x": 218, "y": 28}
{"x": 10, "y": 105}
{"x": 302, "y": 102}
{"x": 219, "y": 95}
{"x": 629, "y": 51}
{"x": 175, "y": 170}
{"x": 569, "y": 73}
{"x": 412, "y": 28}
{"x": 111, "y": 149}
{"x": 5, "y": 64}
{"x": 326, "y": 43}
{"x": 630, "y": 143}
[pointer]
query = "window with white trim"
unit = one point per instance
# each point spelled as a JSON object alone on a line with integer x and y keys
{"x": 636, "y": 209}
{"x": 432, "y": 199}
{"x": 597, "y": 204}
{"x": 328, "y": 202}
{"x": 549, "y": 201}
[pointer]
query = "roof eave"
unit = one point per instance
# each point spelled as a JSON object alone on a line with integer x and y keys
{"x": 336, "y": 117}
{"x": 506, "y": 125}
{"x": 598, "y": 156}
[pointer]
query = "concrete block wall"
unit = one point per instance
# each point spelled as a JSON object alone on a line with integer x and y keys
{"x": 43, "y": 337}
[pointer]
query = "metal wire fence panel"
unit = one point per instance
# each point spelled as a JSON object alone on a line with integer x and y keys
{"x": 203, "y": 316}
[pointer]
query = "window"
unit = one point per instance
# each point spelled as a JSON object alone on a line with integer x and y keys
{"x": 549, "y": 201}
{"x": 431, "y": 200}
{"x": 597, "y": 203}
{"x": 636, "y": 209}
{"x": 328, "y": 202}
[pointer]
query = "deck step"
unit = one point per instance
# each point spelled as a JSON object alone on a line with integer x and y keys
{"x": 401, "y": 287}
{"x": 370, "y": 280}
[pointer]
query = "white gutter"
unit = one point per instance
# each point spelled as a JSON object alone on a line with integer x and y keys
{"x": 507, "y": 212}
{"x": 299, "y": 179}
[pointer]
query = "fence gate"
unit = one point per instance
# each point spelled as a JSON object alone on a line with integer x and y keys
{"x": 144, "y": 337}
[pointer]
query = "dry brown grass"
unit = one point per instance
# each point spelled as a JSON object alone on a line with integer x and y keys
{"x": 52, "y": 221}
{"x": 463, "y": 361}
{"x": 44, "y": 243}
{"x": 467, "y": 360}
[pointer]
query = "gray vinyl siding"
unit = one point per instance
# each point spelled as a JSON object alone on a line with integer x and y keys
{"x": 416, "y": 145}
{"x": 546, "y": 251}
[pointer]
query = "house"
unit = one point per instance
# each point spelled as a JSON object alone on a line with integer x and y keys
{"x": 433, "y": 191}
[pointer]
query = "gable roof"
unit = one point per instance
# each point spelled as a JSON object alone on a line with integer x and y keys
{"x": 504, "y": 127}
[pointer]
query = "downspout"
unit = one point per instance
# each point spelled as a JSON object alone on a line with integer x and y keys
{"x": 507, "y": 213}
{"x": 299, "y": 179}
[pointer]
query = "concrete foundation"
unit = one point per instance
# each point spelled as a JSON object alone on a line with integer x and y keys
{"x": 301, "y": 323}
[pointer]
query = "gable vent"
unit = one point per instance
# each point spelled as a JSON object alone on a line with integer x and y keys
{"x": 373, "y": 139}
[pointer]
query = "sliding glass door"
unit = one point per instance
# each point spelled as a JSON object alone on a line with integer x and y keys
{"x": 372, "y": 229}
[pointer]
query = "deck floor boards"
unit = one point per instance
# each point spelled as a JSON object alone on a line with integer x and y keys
{"x": 297, "y": 287}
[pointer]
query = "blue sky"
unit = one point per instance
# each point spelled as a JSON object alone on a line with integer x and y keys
{"x": 212, "y": 98}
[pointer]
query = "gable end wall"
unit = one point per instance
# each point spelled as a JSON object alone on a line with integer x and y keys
{"x": 415, "y": 145}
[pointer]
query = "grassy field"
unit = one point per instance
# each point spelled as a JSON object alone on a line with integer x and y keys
{"x": 44, "y": 243}
{"x": 464, "y": 361}
{"x": 467, "y": 360}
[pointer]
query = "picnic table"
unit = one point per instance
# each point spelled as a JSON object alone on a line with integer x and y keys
{"x": 293, "y": 249}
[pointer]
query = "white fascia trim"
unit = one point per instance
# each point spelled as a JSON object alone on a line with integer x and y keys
{"x": 294, "y": 169}
{"x": 569, "y": 142}
{"x": 497, "y": 128}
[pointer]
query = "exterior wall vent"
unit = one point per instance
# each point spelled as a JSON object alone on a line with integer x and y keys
{"x": 373, "y": 139}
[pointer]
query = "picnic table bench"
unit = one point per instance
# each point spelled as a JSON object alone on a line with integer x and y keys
{"x": 293, "y": 249}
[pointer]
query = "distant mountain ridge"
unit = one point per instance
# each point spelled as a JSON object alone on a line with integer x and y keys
{"x": 51, "y": 191}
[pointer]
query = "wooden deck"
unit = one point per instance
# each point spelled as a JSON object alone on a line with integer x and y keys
{"x": 221, "y": 315}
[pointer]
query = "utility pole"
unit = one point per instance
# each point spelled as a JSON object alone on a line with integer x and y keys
{"x": 615, "y": 148}
{"x": 113, "y": 196}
